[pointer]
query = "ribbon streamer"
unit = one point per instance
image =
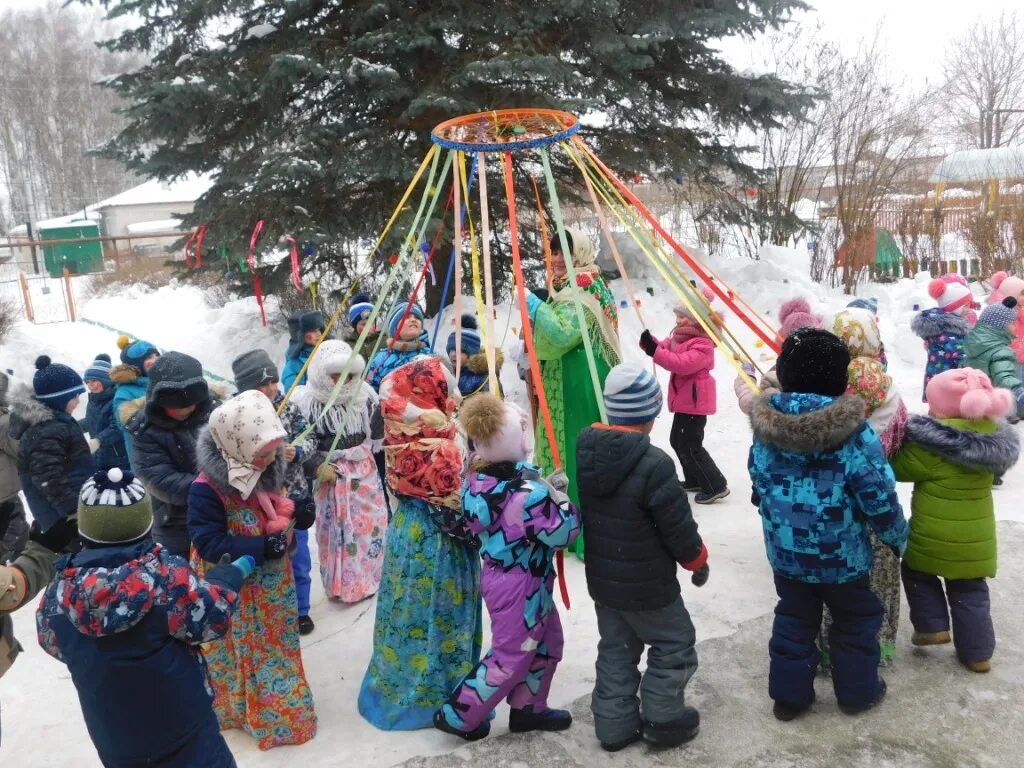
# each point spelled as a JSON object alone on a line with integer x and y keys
{"x": 296, "y": 276}
{"x": 257, "y": 284}
{"x": 198, "y": 248}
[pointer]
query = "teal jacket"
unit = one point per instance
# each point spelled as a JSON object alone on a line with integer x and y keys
{"x": 988, "y": 350}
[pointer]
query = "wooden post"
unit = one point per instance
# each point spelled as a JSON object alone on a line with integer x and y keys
{"x": 26, "y": 296}
{"x": 69, "y": 296}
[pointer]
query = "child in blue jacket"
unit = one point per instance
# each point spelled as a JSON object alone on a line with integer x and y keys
{"x": 305, "y": 329}
{"x": 820, "y": 479}
{"x": 105, "y": 436}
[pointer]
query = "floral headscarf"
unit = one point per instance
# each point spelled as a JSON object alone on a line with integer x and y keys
{"x": 422, "y": 443}
{"x": 859, "y": 331}
{"x": 240, "y": 427}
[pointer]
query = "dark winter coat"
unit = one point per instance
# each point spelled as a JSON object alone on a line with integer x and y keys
{"x": 101, "y": 426}
{"x": 164, "y": 458}
{"x": 207, "y": 522}
{"x": 944, "y": 337}
{"x": 53, "y": 459}
{"x": 10, "y": 483}
{"x": 636, "y": 518}
{"x": 951, "y": 463}
{"x": 820, "y": 478}
{"x": 128, "y": 621}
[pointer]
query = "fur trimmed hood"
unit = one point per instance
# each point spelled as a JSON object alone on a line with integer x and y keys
{"x": 124, "y": 374}
{"x": 478, "y": 363}
{"x": 806, "y": 423}
{"x": 936, "y": 322}
{"x": 992, "y": 452}
{"x": 26, "y": 411}
{"x": 212, "y": 464}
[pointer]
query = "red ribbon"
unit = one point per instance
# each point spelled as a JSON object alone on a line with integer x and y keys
{"x": 296, "y": 276}
{"x": 188, "y": 245}
{"x": 198, "y": 248}
{"x": 257, "y": 284}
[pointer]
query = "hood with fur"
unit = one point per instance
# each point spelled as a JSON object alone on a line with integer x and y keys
{"x": 478, "y": 363}
{"x": 212, "y": 463}
{"x": 938, "y": 322}
{"x": 27, "y": 412}
{"x": 958, "y": 443}
{"x": 125, "y": 374}
{"x": 806, "y": 423}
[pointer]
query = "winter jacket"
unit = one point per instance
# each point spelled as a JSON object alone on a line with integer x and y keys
{"x": 292, "y": 366}
{"x": 101, "y": 426}
{"x": 391, "y": 358}
{"x": 988, "y": 350}
{"x": 473, "y": 377}
{"x": 53, "y": 459}
{"x": 520, "y": 525}
{"x": 819, "y": 479}
{"x": 36, "y": 565}
{"x": 304, "y": 464}
{"x": 164, "y": 458}
{"x": 944, "y": 337}
{"x": 691, "y": 388}
{"x": 637, "y": 520}
{"x": 127, "y": 621}
{"x": 129, "y": 386}
{"x": 10, "y": 484}
{"x": 951, "y": 463}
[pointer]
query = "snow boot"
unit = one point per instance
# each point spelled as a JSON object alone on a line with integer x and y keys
{"x": 980, "y": 667}
{"x": 930, "y": 638}
{"x": 856, "y": 709}
{"x": 674, "y": 732}
{"x": 306, "y": 625}
{"x": 525, "y": 719}
{"x": 710, "y": 497}
{"x": 615, "y": 746}
{"x": 442, "y": 724}
{"x": 786, "y": 712}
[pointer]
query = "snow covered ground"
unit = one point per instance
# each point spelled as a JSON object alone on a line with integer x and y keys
{"x": 42, "y": 720}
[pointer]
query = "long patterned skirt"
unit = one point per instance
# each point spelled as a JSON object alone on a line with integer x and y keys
{"x": 256, "y": 668}
{"x": 428, "y": 629}
{"x": 351, "y": 522}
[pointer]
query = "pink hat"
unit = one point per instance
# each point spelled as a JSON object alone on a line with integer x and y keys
{"x": 1007, "y": 285}
{"x": 950, "y": 296}
{"x": 954, "y": 277}
{"x": 796, "y": 313}
{"x": 501, "y": 430}
{"x": 966, "y": 393}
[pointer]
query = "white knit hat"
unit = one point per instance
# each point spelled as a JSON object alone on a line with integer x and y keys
{"x": 950, "y": 296}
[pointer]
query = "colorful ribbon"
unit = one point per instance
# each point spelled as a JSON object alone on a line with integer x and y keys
{"x": 296, "y": 275}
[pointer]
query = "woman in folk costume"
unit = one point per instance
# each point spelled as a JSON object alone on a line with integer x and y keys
{"x": 887, "y": 414}
{"x": 428, "y": 628}
{"x": 558, "y": 338}
{"x": 352, "y": 515}
{"x": 236, "y": 508}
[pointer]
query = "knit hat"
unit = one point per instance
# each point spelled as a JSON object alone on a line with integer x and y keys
{"x": 500, "y": 430}
{"x": 1001, "y": 314}
{"x": 950, "y": 296}
{"x": 240, "y": 428}
{"x": 796, "y": 313}
{"x": 134, "y": 353}
{"x": 253, "y": 369}
{"x": 99, "y": 370}
{"x": 113, "y": 508}
{"x": 682, "y": 310}
{"x": 470, "y": 337}
{"x": 398, "y": 312}
{"x": 813, "y": 361}
{"x": 966, "y": 393}
{"x": 299, "y": 325}
{"x": 631, "y": 395}
{"x": 870, "y": 304}
{"x": 54, "y": 384}
{"x": 176, "y": 381}
{"x": 359, "y": 308}
{"x": 1007, "y": 285}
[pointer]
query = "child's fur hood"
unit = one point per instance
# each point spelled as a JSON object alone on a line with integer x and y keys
{"x": 823, "y": 429}
{"x": 995, "y": 452}
{"x": 124, "y": 374}
{"x": 929, "y": 324}
{"x": 212, "y": 463}
{"x": 478, "y": 363}
{"x": 26, "y": 411}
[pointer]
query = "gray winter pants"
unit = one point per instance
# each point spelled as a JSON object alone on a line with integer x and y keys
{"x": 671, "y": 662}
{"x": 974, "y": 637}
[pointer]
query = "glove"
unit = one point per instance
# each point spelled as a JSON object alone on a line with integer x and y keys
{"x": 305, "y": 511}
{"x": 94, "y": 445}
{"x": 558, "y": 480}
{"x": 275, "y": 545}
{"x": 700, "y": 577}
{"x": 648, "y": 344}
{"x": 748, "y": 368}
{"x": 327, "y": 475}
{"x": 541, "y": 293}
{"x": 231, "y": 574}
{"x": 12, "y": 588}
{"x": 246, "y": 564}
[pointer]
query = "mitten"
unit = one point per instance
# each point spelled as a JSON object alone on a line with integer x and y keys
{"x": 12, "y": 588}
{"x": 700, "y": 577}
{"x": 305, "y": 511}
{"x": 327, "y": 475}
{"x": 648, "y": 344}
{"x": 558, "y": 480}
{"x": 275, "y": 545}
{"x": 231, "y": 574}
{"x": 748, "y": 368}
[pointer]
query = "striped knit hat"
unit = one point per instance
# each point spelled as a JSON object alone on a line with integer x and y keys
{"x": 631, "y": 395}
{"x": 113, "y": 508}
{"x": 99, "y": 370}
{"x": 398, "y": 312}
{"x": 470, "y": 337}
{"x": 359, "y": 308}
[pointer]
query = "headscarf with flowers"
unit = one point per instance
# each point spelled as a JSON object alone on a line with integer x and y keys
{"x": 422, "y": 444}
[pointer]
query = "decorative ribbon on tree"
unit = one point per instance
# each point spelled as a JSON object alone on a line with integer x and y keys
{"x": 296, "y": 275}
{"x": 257, "y": 284}
{"x": 187, "y": 250}
{"x": 198, "y": 247}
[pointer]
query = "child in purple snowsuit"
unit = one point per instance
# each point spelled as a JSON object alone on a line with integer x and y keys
{"x": 521, "y": 520}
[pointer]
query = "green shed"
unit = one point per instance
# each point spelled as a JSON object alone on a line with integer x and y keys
{"x": 79, "y": 258}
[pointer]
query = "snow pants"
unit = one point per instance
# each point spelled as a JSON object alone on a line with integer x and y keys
{"x": 671, "y": 662}
{"x": 302, "y": 565}
{"x": 687, "y": 440}
{"x": 974, "y": 637}
{"x": 526, "y": 637}
{"x": 856, "y": 618}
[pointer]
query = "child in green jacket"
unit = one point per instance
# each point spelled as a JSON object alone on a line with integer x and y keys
{"x": 988, "y": 349}
{"x": 951, "y": 456}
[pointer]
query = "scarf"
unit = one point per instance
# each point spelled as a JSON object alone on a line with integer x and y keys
{"x": 596, "y": 298}
{"x": 420, "y": 342}
{"x": 240, "y": 427}
{"x": 349, "y": 414}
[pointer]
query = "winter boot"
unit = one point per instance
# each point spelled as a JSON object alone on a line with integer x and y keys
{"x": 979, "y": 666}
{"x": 306, "y": 625}
{"x": 930, "y": 638}
{"x": 525, "y": 719}
{"x": 442, "y": 724}
{"x": 674, "y": 732}
{"x": 786, "y": 712}
{"x": 710, "y": 497}
{"x": 615, "y": 746}
{"x": 856, "y": 709}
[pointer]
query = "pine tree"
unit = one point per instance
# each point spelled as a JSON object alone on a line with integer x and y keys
{"x": 314, "y": 113}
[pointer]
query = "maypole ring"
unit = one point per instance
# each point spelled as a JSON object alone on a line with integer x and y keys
{"x": 505, "y": 130}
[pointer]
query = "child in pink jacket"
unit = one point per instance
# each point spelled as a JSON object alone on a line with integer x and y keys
{"x": 689, "y": 355}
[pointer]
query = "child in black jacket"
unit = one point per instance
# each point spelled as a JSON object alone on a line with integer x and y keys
{"x": 639, "y": 527}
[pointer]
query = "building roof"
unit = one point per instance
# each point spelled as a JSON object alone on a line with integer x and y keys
{"x": 160, "y": 225}
{"x": 979, "y": 165}
{"x": 154, "y": 192}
